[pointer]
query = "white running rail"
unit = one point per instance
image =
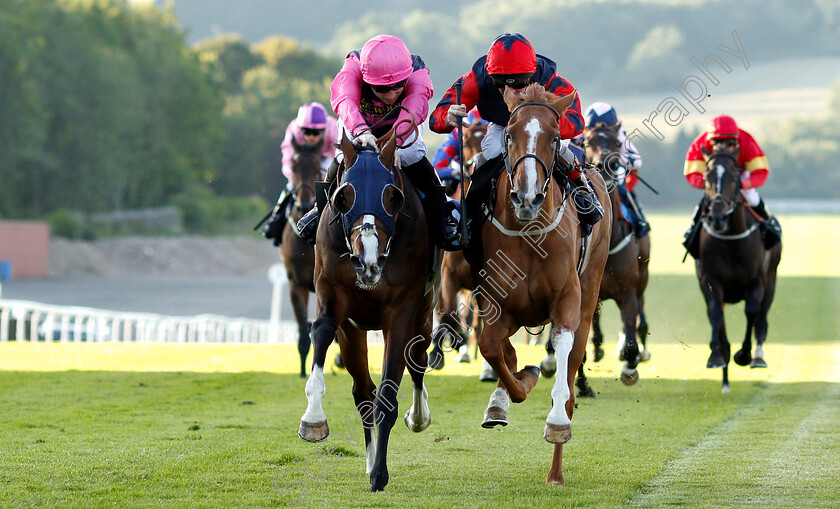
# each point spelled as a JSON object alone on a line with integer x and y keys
{"x": 32, "y": 321}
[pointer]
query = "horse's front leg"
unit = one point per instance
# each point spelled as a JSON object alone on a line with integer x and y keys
{"x": 396, "y": 329}
{"x": 299, "y": 296}
{"x": 714, "y": 310}
{"x": 418, "y": 417}
{"x": 313, "y": 424}
{"x": 354, "y": 343}
{"x": 566, "y": 317}
{"x": 752, "y": 307}
{"x": 597, "y": 335}
{"x": 629, "y": 306}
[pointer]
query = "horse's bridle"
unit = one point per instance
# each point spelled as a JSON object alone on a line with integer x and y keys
{"x": 511, "y": 168}
{"x": 607, "y": 133}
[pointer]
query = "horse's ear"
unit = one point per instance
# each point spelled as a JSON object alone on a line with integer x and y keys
{"x": 616, "y": 127}
{"x": 343, "y": 198}
{"x": 349, "y": 151}
{"x": 393, "y": 199}
{"x": 562, "y": 104}
{"x": 386, "y": 155}
{"x": 511, "y": 98}
{"x": 295, "y": 144}
{"x": 706, "y": 153}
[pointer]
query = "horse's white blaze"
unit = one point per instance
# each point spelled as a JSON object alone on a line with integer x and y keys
{"x": 562, "y": 339}
{"x": 315, "y": 390}
{"x": 533, "y": 129}
{"x": 370, "y": 451}
{"x": 370, "y": 243}
{"x": 721, "y": 171}
{"x": 419, "y": 412}
{"x": 499, "y": 398}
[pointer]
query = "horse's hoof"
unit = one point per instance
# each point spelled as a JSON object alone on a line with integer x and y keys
{"x": 463, "y": 357}
{"x": 758, "y": 362}
{"x": 532, "y": 370}
{"x": 742, "y": 358}
{"x": 725, "y": 389}
{"x": 417, "y": 428}
{"x": 585, "y": 391}
{"x": 548, "y": 366}
{"x": 313, "y": 431}
{"x": 488, "y": 375}
{"x": 557, "y": 433}
{"x": 630, "y": 376}
{"x": 599, "y": 354}
{"x": 436, "y": 359}
{"x": 339, "y": 362}
{"x": 715, "y": 361}
{"x": 494, "y": 416}
{"x": 644, "y": 355}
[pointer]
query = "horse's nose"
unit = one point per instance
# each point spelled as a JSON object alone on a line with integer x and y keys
{"x": 538, "y": 200}
{"x": 516, "y": 198}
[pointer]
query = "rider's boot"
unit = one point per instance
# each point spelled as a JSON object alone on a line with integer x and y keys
{"x": 480, "y": 185}
{"x": 587, "y": 203}
{"x": 273, "y": 229}
{"x": 771, "y": 230}
{"x": 692, "y": 239}
{"x": 443, "y": 218}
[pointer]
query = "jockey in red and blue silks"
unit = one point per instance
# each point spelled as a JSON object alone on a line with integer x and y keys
{"x": 512, "y": 62}
{"x": 312, "y": 127}
{"x": 724, "y": 133}
{"x": 601, "y": 113}
{"x": 378, "y": 86}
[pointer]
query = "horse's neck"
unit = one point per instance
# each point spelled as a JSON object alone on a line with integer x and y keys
{"x": 620, "y": 228}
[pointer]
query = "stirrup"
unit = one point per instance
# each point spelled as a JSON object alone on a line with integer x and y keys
{"x": 308, "y": 226}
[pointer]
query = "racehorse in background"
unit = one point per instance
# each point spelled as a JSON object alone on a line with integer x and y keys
{"x": 372, "y": 261}
{"x": 456, "y": 274}
{"x": 298, "y": 256}
{"x": 733, "y": 264}
{"x": 536, "y": 268}
{"x": 626, "y": 273}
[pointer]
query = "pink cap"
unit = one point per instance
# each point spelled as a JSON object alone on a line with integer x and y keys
{"x": 385, "y": 60}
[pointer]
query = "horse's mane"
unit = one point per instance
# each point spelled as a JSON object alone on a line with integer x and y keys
{"x": 534, "y": 92}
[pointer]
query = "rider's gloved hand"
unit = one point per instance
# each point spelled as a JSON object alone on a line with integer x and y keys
{"x": 456, "y": 114}
{"x": 365, "y": 138}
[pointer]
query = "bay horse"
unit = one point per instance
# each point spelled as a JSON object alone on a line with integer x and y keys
{"x": 456, "y": 276}
{"x": 626, "y": 273}
{"x": 536, "y": 266}
{"x": 298, "y": 256}
{"x": 733, "y": 264}
{"x": 372, "y": 259}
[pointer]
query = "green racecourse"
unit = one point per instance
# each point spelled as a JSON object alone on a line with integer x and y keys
{"x": 139, "y": 425}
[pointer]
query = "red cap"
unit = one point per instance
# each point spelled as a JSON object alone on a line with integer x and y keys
{"x": 511, "y": 54}
{"x": 722, "y": 126}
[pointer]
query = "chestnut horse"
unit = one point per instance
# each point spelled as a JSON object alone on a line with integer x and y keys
{"x": 455, "y": 272}
{"x": 626, "y": 274}
{"x": 298, "y": 256}
{"x": 536, "y": 266}
{"x": 372, "y": 259}
{"x": 733, "y": 264}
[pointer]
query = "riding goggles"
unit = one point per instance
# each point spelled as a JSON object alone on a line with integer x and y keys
{"x": 511, "y": 80}
{"x": 311, "y": 132}
{"x": 387, "y": 88}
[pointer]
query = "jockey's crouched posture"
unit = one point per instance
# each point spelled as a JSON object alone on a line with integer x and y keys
{"x": 723, "y": 132}
{"x": 512, "y": 62}
{"x": 378, "y": 86}
{"x": 312, "y": 129}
